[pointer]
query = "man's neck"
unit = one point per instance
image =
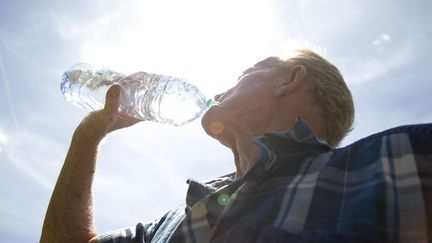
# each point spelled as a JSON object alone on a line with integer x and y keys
{"x": 246, "y": 154}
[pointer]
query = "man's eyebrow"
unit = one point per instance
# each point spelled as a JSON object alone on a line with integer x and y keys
{"x": 248, "y": 70}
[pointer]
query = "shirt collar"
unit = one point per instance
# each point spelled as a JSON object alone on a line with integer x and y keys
{"x": 301, "y": 133}
{"x": 291, "y": 146}
{"x": 198, "y": 190}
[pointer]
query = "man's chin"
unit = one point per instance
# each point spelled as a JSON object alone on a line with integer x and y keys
{"x": 211, "y": 123}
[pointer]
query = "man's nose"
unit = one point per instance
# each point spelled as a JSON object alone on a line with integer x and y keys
{"x": 218, "y": 96}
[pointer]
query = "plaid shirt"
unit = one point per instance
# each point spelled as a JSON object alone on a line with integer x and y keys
{"x": 378, "y": 189}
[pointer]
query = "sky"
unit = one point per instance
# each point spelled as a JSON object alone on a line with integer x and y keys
{"x": 382, "y": 49}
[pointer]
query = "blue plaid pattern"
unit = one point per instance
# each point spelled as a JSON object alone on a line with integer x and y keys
{"x": 378, "y": 189}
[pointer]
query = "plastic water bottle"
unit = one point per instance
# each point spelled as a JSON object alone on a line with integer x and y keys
{"x": 146, "y": 96}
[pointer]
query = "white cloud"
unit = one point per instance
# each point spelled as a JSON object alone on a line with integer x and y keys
{"x": 18, "y": 45}
{"x": 367, "y": 68}
{"x": 7, "y": 92}
{"x": 34, "y": 155}
{"x": 3, "y": 140}
{"x": 381, "y": 41}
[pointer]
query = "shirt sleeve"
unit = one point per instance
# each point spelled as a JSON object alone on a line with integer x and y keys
{"x": 141, "y": 233}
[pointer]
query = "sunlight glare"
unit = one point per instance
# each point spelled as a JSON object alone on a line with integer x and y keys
{"x": 291, "y": 45}
{"x": 177, "y": 44}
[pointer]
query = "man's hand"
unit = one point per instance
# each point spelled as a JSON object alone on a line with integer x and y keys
{"x": 99, "y": 123}
{"x": 69, "y": 217}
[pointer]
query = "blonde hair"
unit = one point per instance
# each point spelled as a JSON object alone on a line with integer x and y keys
{"x": 330, "y": 93}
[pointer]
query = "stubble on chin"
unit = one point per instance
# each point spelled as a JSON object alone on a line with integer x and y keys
{"x": 211, "y": 124}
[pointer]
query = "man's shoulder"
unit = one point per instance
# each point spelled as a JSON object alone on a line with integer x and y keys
{"x": 400, "y": 140}
{"x": 389, "y": 144}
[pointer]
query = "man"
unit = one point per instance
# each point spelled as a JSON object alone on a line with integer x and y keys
{"x": 281, "y": 122}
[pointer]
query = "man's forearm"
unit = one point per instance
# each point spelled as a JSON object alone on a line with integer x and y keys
{"x": 69, "y": 217}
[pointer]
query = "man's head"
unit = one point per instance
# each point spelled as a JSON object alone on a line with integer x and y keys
{"x": 330, "y": 93}
{"x": 272, "y": 93}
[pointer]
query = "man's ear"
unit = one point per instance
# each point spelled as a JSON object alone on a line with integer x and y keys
{"x": 295, "y": 77}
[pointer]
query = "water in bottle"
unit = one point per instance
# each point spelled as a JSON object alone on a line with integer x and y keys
{"x": 146, "y": 96}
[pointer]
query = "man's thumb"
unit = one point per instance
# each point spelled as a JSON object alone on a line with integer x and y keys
{"x": 112, "y": 99}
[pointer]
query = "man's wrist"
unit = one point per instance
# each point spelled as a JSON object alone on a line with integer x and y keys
{"x": 87, "y": 137}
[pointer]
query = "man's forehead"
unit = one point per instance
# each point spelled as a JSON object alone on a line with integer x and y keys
{"x": 269, "y": 61}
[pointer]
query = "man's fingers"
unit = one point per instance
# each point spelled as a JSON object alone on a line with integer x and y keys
{"x": 124, "y": 121}
{"x": 112, "y": 99}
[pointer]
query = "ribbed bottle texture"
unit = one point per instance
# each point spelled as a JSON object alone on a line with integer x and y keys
{"x": 146, "y": 96}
